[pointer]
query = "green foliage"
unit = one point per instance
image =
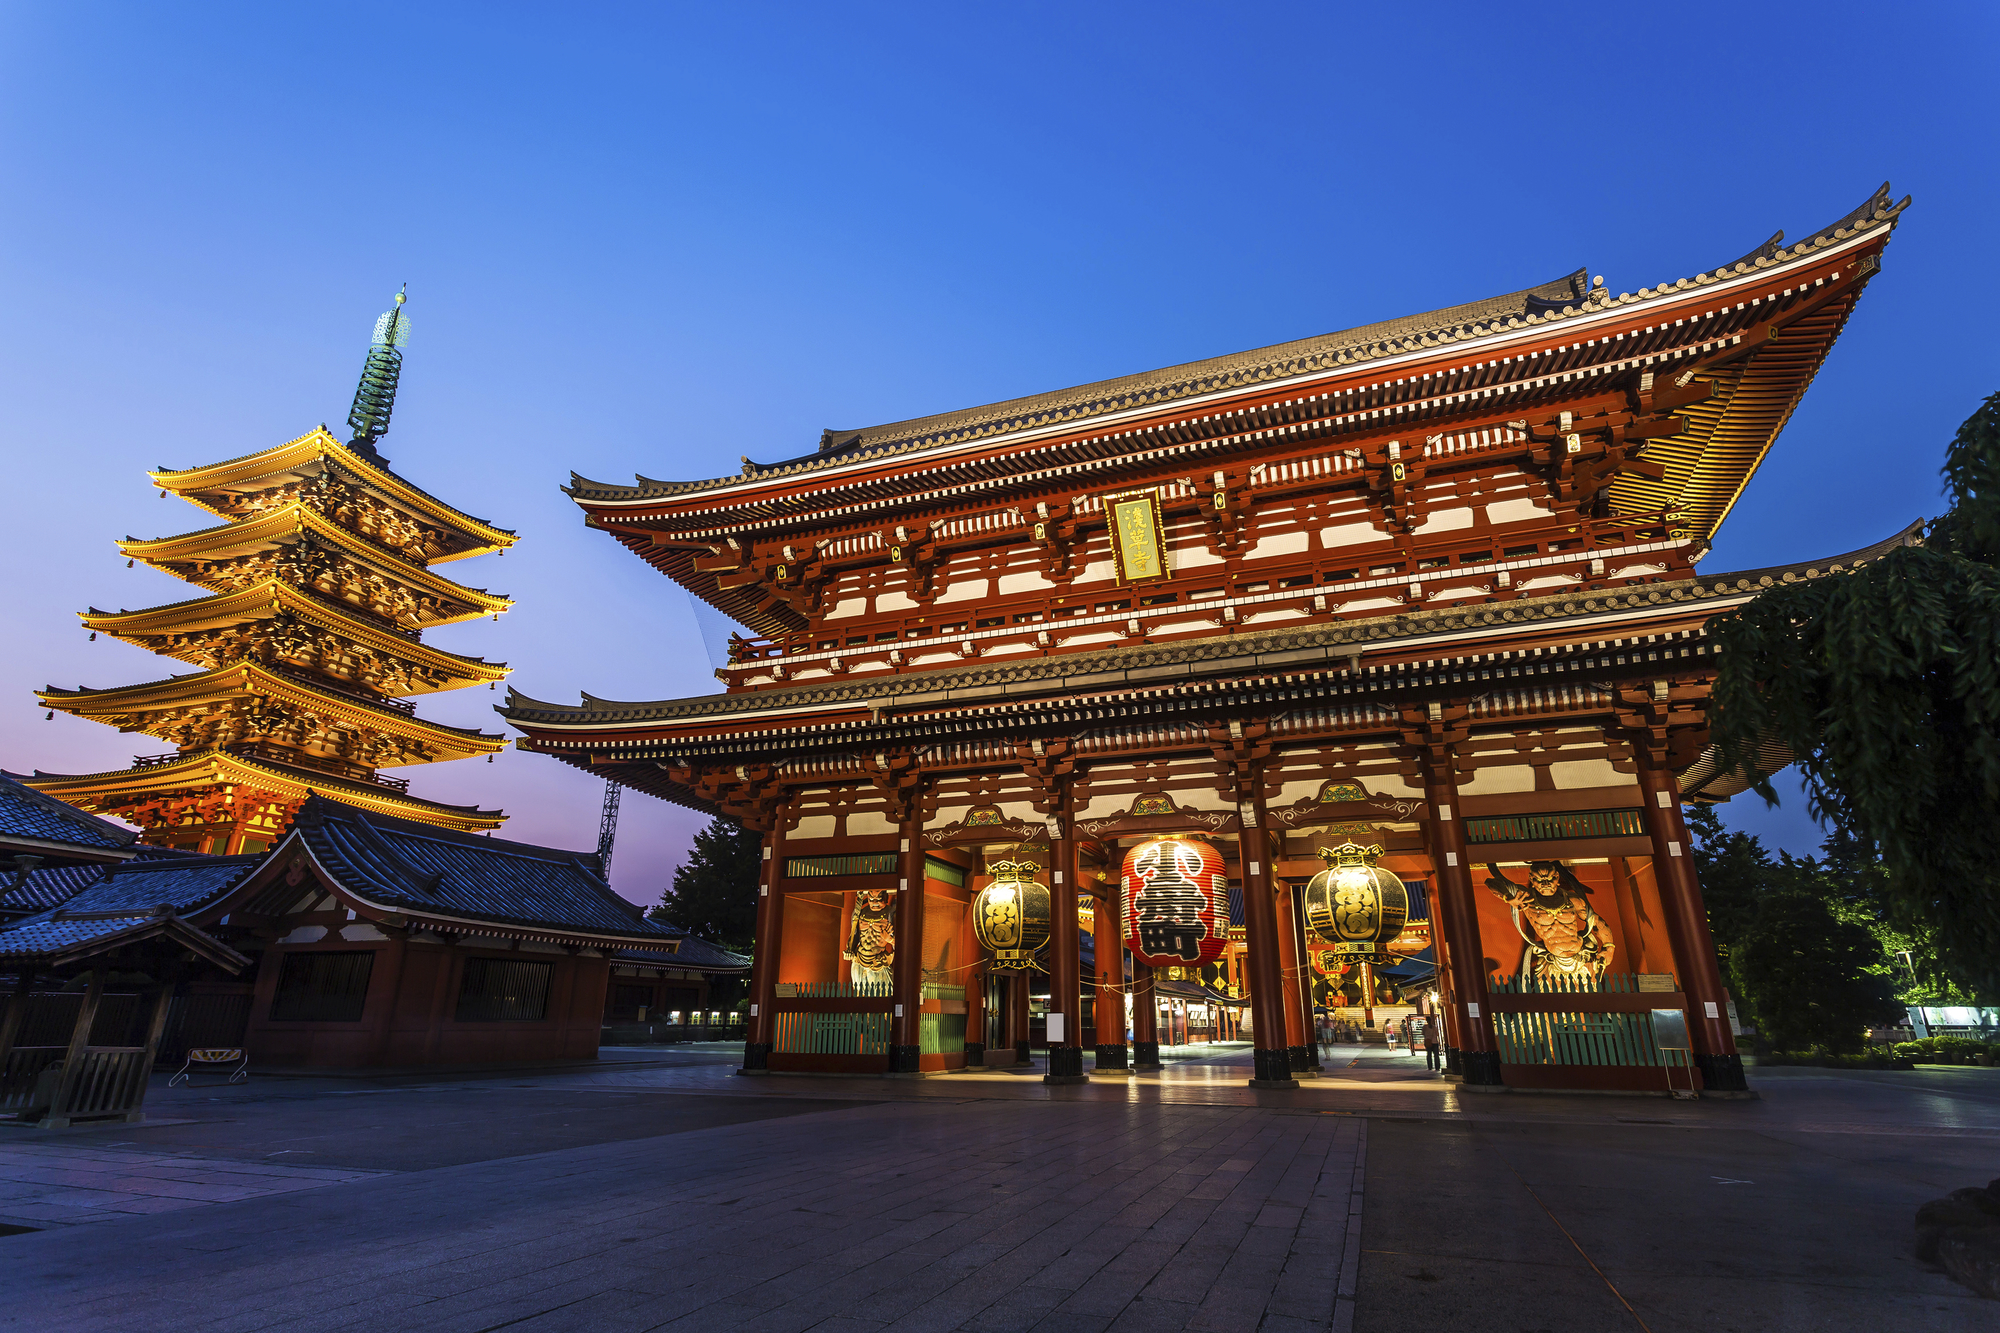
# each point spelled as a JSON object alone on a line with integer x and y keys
{"x": 1733, "y": 868}
{"x": 714, "y": 894}
{"x": 1884, "y": 682}
{"x": 1807, "y": 975}
{"x": 1821, "y": 1060}
{"x": 1949, "y": 1050}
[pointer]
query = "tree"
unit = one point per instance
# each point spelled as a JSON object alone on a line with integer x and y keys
{"x": 1884, "y": 683}
{"x": 714, "y": 893}
{"x": 1733, "y": 868}
{"x": 1809, "y": 976}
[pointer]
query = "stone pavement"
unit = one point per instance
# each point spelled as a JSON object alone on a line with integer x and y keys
{"x": 674, "y": 1194}
{"x": 984, "y": 1215}
{"x": 65, "y": 1184}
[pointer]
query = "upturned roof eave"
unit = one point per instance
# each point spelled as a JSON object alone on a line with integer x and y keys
{"x": 868, "y": 694}
{"x": 313, "y": 444}
{"x": 223, "y": 766}
{"x": 1861, "y": 227}
{"x": 124, "y": 696}
{"x": 296, "y": 516}
{"x": 238, "y": 607}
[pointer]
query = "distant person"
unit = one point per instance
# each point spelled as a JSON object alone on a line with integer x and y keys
{"x": 1433, "y": 1056}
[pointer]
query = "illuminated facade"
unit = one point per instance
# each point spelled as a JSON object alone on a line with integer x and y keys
{"x": 1427, "y": 586}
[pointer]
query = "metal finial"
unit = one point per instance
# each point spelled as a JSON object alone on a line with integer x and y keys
{"x": 375, "y": 396}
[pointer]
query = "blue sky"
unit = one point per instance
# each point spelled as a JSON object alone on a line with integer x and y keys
{"x": 655, "y": 238}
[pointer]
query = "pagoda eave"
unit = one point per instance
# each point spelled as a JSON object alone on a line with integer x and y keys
{"x": 211, "y": 767}
{"x": 287, "y": 523}
{"x": 127, "y": 707}
{"x": 193, "y": 484}
{"x": 147, "y": 628}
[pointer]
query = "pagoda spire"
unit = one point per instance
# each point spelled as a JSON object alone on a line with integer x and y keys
{"x": 375, "y": 396}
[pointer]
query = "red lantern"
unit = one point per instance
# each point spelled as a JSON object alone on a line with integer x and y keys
{"x": 1176, "y": 903}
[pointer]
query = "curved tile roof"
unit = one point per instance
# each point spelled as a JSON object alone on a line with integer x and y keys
{"x": 416, "y": 867}
{"x": 27, "y": 813}
{"x": 52, "y": 886}
{"x": 1550, "y": 302}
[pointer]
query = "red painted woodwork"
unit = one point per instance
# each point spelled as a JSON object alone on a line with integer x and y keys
{"x": 1687, "y": 923}
{"x": 403, "y": 1023}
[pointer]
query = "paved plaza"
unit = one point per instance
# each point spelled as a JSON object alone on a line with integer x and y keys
{"x": 658, "y": 1190}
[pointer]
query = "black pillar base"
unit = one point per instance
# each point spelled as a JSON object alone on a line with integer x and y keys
{"x": 1299, "y": 1058}
{"x": 756, "y": 1057}
{"x": 1481, "y": 1068}
{"x": 1065, "y": 1065}
{"x": 975, "y": 1053}
{"x": 1145, "y": 1055}
{"x": 1273, "y": 1069}
{"x": 905, "y": 1059}
{"x": 1111, "y": 1057}
{"x": 1452, "y": 1062}
{"x": 1021, "y": 1056}
{"x": 1722, "y": 1073}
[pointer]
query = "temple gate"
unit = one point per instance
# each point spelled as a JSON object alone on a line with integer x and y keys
{"x": 1426, "y": 587}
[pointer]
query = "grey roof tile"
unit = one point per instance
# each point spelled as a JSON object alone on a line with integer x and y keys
{"x": 27, "y": 813}
{"x": 416, "y": 867}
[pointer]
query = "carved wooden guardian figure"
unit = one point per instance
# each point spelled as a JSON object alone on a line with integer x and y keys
{"x": 1565, "y": 938}
{"x": 871, "y": 941}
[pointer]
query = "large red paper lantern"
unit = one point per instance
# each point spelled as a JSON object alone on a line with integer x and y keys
{"x": 1176, "y": 903}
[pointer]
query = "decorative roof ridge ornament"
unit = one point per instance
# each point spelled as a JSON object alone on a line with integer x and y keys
{"x": 1351, "y": 853}
{"x": 375, "y": 395}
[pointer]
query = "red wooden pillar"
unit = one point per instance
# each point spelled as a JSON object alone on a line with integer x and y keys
{"x": 1296, "y": 1055}
{"x": 1687, "y": 929}
{"x": 1306, "y": 1015}
{"x": 975, "y": 1017}
{"x": 1065, "y": 963}
{"x": 1271, "y": 1063}
{"x": 391, "y": 986}
{"x": 764, "y": 956}
{"x": 1019, "y": 1017}
{"x": 1145, "y": 1019}
{"x": 907, "y": 971}
{"x": 1107, "y": 927}
{"x": 1478, "y": 1060}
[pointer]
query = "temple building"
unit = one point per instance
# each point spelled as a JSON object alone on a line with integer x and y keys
{"x": 320, "y": 582}
{"x": 1414, "y": 604}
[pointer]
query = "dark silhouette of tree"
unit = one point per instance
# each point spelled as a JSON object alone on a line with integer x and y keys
{"x": 714, "y": 893}
{"x": 1884, "y": 682}
{"x": 1811, "y": 978}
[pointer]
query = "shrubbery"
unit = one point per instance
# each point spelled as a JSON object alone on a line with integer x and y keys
{"x": 1821, "y": 1060}
{"x": 1949, "y": 1051}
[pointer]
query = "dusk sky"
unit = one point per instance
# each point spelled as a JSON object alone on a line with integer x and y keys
{"x": 655, "y": 238}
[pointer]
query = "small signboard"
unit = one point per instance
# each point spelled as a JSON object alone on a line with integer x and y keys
{"x": 1670, "y": 1029}
{"x": 1656, "y": 981}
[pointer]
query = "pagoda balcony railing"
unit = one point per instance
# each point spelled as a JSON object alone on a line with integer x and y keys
{"x": 342, "y": 691}
{"x": 154, "y": 760}
{"x": 1301, "y": 592}
{"x": 278, "y": 754}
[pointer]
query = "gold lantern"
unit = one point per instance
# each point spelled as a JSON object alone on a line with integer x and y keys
{"x": 1355, "y": 906}
{"x": 1010, "y": 916}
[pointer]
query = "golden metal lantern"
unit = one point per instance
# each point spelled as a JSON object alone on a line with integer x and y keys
{"x": 1354, "y": 905}
{"x": 1010, "y": 916}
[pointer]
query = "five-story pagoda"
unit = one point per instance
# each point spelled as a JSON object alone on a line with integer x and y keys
{"x": 322, "y": 586}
